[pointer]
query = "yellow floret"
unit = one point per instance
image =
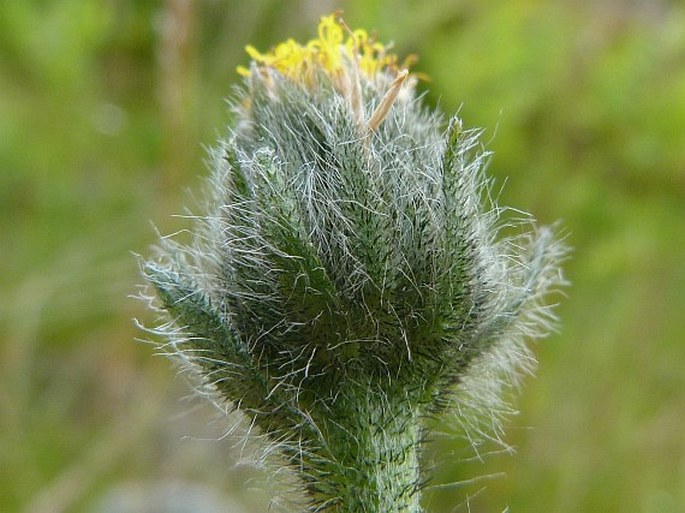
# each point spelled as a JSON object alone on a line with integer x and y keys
{"x": 348, "y": 58}
{"x": 334, "y": 51}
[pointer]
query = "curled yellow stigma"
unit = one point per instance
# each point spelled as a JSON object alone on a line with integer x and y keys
{"x": 334, "y": 50}
{"x": 346, "y": 57}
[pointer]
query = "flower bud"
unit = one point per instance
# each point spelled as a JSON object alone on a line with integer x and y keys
{"x": 348, "y": 278}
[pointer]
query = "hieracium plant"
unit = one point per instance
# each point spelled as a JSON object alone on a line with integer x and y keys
{"x": 349, "y": 280}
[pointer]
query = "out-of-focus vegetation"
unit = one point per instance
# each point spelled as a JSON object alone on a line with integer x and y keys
{"x": 105, "y": 108}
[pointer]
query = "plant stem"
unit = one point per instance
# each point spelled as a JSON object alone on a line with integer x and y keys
{"x": 370, "y": 463}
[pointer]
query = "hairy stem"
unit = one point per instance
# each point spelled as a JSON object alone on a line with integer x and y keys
{"x": 370, "y": 463}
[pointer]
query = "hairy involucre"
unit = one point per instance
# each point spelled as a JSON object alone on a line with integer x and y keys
{"x": 345, "y": 284}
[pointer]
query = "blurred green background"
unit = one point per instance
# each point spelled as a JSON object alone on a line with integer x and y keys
{"x": 106, "y": 108}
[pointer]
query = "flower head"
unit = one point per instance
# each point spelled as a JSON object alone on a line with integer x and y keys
{"x": 348, "y": 279}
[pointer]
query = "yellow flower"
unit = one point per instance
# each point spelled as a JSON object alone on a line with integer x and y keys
{"x": 336, "y": 48}
{"x": 346, "y": 57}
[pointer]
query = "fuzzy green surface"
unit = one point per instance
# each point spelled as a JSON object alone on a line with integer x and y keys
{"x": 584, "y": 110}
{"x": 343, "y": 284}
